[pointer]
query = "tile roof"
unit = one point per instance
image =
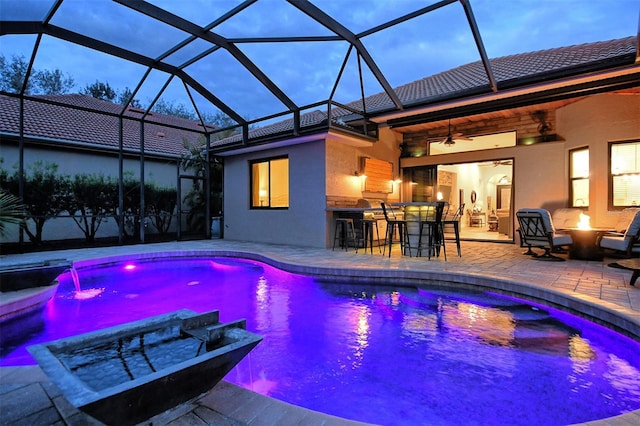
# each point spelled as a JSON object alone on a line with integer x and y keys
{"x": 55, "y": 122}
{"x": 509, "y": 71}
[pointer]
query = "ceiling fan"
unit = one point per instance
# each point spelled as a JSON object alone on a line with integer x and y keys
{"x": 502, "y": 163}
{"x": 451, "y": 138}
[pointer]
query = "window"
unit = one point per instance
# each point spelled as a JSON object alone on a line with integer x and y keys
{"x": 579, "y": 177}
{"x": 270, "y": 183}
{"x": 624, "y": 174}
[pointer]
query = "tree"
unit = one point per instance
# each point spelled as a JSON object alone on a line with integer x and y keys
{"x": 53, "y": 82}
{"x": 160, "y": 202}
{"x": 195, "y": 199}
{"x": 171, "y": 108}
{"x": 93, "y": 196}
{"x": 50, "y": 82}
{"x": 222, "y": 121}
{"x": 100, "y": 90}
{"x": 104, "y": 91}
{"x": 125, "y": 95}
{"x": 12, "y": 74}
{"x": 195, "y": 161}
{"x": 46, "y": 193}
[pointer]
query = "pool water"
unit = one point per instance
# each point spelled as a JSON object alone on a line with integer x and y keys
{"x": 368, "y": 353}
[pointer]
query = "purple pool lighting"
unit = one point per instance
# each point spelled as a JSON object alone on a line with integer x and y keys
{"x": 369, "y": 353}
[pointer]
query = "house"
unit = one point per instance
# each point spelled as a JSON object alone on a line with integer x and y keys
{"x": 553, "y": 133}
{"x": 555, "y": 128}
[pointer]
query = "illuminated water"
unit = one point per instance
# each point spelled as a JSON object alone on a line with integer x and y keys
{"x": 374, "y": 354}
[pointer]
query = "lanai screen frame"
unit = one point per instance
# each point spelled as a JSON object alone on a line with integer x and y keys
{"x": 333, "y": 120}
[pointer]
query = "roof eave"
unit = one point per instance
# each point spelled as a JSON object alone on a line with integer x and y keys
{"x": 537, "y": 91}
{"x": 271, "y": 141}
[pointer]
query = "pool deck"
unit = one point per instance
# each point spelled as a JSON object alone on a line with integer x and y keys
{"x": 591, "y": 287}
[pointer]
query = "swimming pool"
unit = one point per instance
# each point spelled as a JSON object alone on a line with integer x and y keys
{"x": 370, "y": 353}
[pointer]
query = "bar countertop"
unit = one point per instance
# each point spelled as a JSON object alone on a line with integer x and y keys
{"x": 353, "y": 209}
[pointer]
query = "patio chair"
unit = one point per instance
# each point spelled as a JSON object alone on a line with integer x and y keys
{"x": 626, "y": 243}
{"x": 536, "y": 230}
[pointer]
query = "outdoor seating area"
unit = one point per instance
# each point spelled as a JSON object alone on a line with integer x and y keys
{"x": 416, "y": 228}
{"x": 570, "y": 228}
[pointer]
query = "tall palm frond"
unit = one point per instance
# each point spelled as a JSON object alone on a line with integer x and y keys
{"x": 12, "y": 211}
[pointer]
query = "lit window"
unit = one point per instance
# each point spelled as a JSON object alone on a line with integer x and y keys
{"x": 624, "y": 174}
{"x": 579, "y": 177}
{"x": 270, "y": 183}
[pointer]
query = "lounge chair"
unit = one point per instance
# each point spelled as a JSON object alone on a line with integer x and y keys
{"x": 536, "y": 230}
{"x": 627, "y": 242}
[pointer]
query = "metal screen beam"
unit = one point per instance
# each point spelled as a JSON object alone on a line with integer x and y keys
{"x": 478, "y": 39}
{"x": 327, "y": 21}
{"x": 193, "y": 29}
{"x": 34, "y": 27}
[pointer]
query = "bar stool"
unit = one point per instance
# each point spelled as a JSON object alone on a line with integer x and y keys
{"x": 391, "y": 229}
{"x": 368, "y": 225}
{"x": 344, "y": 232}
{"x": 435, "y": 227}
{"x": 455, "y": 223}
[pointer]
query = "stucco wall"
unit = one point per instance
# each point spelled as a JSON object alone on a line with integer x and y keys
{"x": 594, "y": 122}
{"x": 303, "y": 223}
{"x": 343, "y": 160}
{"x": 162, "y": 173}
{"x": 538, "y": 171}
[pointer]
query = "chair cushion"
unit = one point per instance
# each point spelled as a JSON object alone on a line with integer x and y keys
{"x": 562, "y": 239}
{"x": 614, "y": 243}
{"x": 634, "y": 227}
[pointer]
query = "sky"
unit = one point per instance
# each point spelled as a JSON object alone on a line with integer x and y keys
{"x": 306, "y": 72}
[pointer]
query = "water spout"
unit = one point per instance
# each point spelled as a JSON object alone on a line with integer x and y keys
{"x": 75, "y": 278}
{"x": 83, "y": 294}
